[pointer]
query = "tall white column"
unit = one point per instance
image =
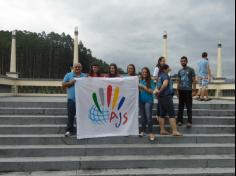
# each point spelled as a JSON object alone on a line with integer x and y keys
{"x": 12, "y": 72}
{"x": 219, "y": 78}
{"x": 219, "y": 61}
{"x": 13, "y": 53}
{"x": 76, "y": 47}
{"x": 165, "y": 46}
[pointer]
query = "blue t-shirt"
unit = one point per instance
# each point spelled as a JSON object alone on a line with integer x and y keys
{"x": 169, "y": 90}
{"x": 144, "y": 96}
{"x": 71, "y": 90}
{"x": 185, "y": 77}
{"x": 203, "y": 68}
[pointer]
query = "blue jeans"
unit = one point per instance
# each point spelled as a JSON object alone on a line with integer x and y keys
{"x": 146, "y": 116}
{"x": 71, "y": 110}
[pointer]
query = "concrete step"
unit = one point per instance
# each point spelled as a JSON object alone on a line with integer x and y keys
{"x": 162, "y": 172}
{"x": 59, "y": 139}
{"x": 60, "y": 129}
{"x": 115, "y": 162}
{"x": 32, "y": 111}
{"x": 32, "y": 139}
{"x": 134, "y": 172}
{"x": 45, "y": 119}
{"x": 33, "y": 119}
{"x": 63, "y": 111}
{"x": 115, "y": 149}
{"x": 34, "y": 104}
{"x": 196, "y": 104}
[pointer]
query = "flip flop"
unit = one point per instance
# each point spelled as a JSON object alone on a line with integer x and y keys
{"x": 165, "y": 133}
{"x": 208, "y": 99}
{"x": 197, "y": 98}
{"x": 177, "y": 135}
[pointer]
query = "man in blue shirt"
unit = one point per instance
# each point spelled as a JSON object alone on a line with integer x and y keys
{"x": 186, "y": 88}
{"x": 204, "y": 76}
{"x": 69, "y": 84}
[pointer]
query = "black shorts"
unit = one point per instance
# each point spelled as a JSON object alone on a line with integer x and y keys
{"x": 158, "y": 109}
{"x": 167, "y": 106}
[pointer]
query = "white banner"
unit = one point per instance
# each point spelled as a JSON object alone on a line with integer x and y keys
{"x": 106, "y": 107}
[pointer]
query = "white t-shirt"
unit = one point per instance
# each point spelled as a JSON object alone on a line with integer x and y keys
{"x": 156, "y": 71}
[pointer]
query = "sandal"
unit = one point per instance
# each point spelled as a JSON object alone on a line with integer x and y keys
{"x": 197, "y": 98}
{"x": 207, "y": 99}
{"x": 177, "y": 134}
{"x": 164, "y": 133}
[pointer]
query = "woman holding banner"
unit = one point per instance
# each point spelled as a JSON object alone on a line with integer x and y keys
{"x": 131, "y": 70}
{"x": 94, "y": 71}
{"x": 113, "y": 71}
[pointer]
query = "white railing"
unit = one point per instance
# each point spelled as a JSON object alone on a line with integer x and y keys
{"x": 43, "y": 87}
{"x": 30, "y": 87}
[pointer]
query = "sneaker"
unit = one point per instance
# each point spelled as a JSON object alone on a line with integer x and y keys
{"x": 189, "y": 125}
{"x": 180, "y": 123}
{"x": 68, "y": 134}
{"x": 141, "y": 134}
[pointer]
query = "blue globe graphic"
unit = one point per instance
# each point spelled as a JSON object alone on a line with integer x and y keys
{"x": 98, "y": 117}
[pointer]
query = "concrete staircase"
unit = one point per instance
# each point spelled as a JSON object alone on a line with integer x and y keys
{"x": 32, "y": 139}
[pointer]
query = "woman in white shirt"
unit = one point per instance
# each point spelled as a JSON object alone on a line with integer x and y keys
{"x": 161, "y": 61}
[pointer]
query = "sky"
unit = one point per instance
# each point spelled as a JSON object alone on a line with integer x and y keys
{"x": 131, "y": 31}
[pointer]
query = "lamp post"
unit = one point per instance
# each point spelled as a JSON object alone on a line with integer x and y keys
{"x": 165, "y": 46}
{"x": 76, "y": 47}
{"x": 219, "y": 78}
{"x": 219, "y": 60}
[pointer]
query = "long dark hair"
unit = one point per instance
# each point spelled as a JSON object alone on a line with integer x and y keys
{"x": 116, "y": 71}
{"x": 148, "y": 78}
{"x": 134, "y": 72}
{"x": 159, "y": 62}
{"x": 91, "y": 72}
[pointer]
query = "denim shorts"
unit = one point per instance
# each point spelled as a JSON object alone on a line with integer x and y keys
{"x": 203, "y": 83}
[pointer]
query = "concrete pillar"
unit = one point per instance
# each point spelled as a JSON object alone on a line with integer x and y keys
{"x": 76, "y": 47}
{"x": 13, "y": 73}
{"x": 165, "y": 46}
{"x": 219, "y": 78}
{"x": 219, "y": 61}
{"x": 13, "y": 53}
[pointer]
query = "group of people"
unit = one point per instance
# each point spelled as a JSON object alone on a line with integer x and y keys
{"x": 159, "y": 85}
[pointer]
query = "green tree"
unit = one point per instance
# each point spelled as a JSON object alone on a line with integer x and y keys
{"x": 41, "y": 55}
